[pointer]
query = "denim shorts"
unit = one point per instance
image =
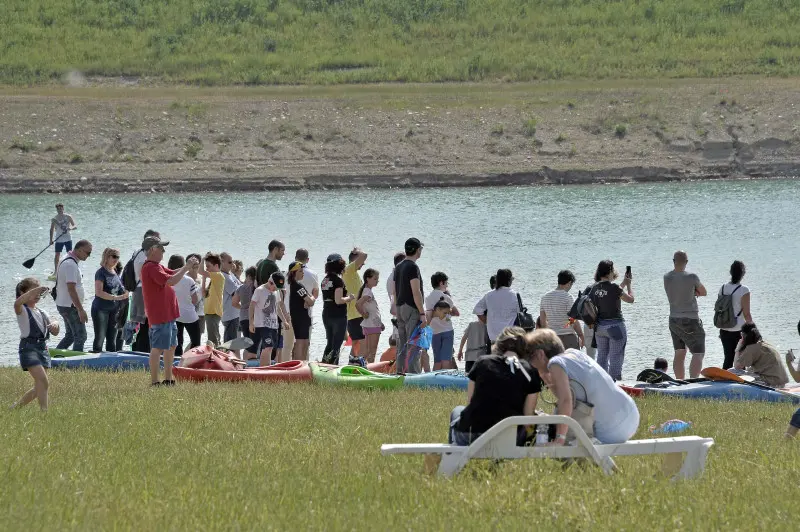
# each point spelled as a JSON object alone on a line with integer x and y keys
{"x": 66, "y": 246}
{"x": 442, "y": 344}
{"x": 164, "y": 335}
{"x": 33, "y": 354}
{"x": 688, "y": 333}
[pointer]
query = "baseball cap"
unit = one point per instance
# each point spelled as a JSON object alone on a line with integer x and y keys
{"x": 334, "y": 257}
{"x": 412, "y": 245}
{"x": 153, "y": 241}
{"x": 279, "y": 280}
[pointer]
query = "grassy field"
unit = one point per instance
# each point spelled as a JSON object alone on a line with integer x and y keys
{"x": 113, "y": 453}
{"x": 221, "y": 42}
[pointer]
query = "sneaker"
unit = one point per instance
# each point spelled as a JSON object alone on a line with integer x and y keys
{"x": 168, "y": 383}
{"x": 155, "y": 384}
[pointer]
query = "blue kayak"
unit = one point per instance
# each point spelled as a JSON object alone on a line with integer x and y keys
{"x": 731, "y": 391}
{"x": 104, "y": 361}
{"x": 446, "y": 378}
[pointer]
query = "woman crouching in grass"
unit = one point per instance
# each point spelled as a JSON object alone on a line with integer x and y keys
{"x": 501, "y": 385}
{"x": 616, "y": 417}
{"x": 35, "y": 328}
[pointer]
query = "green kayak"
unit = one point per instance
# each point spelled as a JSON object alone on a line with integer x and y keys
{"x": 64, "y": 353}
{"x": 354, "y": 376}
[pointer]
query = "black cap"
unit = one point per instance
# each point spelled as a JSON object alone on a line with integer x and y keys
{"x": 412, "y": 245}
{"x": 334, "y": 257}
{"x": 153, "y": 241}
{"x": 279, "y": 280}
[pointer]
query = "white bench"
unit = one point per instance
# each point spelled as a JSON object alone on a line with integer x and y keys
{"x": 500, "y": 442}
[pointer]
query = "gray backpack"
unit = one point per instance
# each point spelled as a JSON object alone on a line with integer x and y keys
{"x": 724, "y": 317}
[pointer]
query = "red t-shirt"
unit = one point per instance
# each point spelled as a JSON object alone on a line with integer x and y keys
{"x": 160, "y": 302}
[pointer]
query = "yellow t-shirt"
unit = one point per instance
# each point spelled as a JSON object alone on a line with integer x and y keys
{"x": 353, "y": 282}
{"x": 215, "y": 287}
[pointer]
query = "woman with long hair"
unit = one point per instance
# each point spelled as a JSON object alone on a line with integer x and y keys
{"x": 334, "y": 307}
{"x": 755, "y": 355}
{"x": 372, "y": 325}
{"x": 108, "y": 291}
{"x": 740, "y": 297}
{"x": 611, "y": 335}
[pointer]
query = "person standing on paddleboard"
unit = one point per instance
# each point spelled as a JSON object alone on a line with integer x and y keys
{"x": 60, "y": 227}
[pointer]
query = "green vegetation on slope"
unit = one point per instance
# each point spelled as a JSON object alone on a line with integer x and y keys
{"x": 114, "y": 454}
{"x": 332, "y": 41}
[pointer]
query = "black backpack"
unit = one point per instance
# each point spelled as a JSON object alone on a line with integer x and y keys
{"x": 129, "y": 273}
{"x": 584, "y": 308}
{"x": 524, "y": 319}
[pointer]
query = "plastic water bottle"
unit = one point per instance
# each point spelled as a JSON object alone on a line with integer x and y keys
{"x": 542, "y": 438}
{"x": 670, "y": 427}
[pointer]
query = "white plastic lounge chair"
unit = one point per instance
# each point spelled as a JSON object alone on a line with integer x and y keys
{"x": 500, "y": 442}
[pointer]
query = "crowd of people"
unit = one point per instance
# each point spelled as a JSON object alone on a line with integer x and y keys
{"x": 154, "y": 308}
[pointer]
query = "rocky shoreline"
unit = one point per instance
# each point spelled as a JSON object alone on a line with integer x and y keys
{"x": 117, "y": 139}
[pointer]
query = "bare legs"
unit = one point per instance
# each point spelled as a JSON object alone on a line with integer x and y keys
{"x": 39, "y": 390}
{"x": 679, "y": 364}
{"x": 370, "y": 345}
{"x": 300, "y": 351}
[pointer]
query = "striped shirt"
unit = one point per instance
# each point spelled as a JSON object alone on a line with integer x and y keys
{"x": 556, "y": 305}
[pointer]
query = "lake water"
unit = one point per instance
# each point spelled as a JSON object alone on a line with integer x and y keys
{"x": 468, "y": 233}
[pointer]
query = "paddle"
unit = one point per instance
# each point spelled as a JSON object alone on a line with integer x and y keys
{"x": 29, "y": 263}
{"x": 237, "y": 343}
{"x": 719, "y": 374}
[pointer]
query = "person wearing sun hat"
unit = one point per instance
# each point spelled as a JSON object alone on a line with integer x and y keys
{"x": 161, "y": 306}
{"x": 410, "y": 303}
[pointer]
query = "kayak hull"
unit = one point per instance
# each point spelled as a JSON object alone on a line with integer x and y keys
{"x": 292, "y": 371}
{"x": 354, "y": 376}
{"x": 724, "y": 390}
{"x": 445, "y": 379}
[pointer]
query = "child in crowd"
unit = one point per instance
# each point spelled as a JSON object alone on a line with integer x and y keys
{"x": 368, "y": 307}
{"x": 241, "y": 300}
{"x": 35, "y": 328}
{"x": 238, "y": 269}
{"x": 265, "y": 309}
{"x": 661, "y": 364}
{"x": 475, "y": 338}
{"x": 213, "y": 295}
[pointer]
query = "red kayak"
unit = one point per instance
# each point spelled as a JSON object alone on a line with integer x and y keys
{"x": 292, "y": 371}
{"x": 631, "y": 390}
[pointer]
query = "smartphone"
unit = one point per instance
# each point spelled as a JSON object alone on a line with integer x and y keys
{"x": 628, "y": 272}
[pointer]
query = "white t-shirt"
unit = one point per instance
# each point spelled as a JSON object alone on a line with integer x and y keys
{"x": 501, "y": 308}
{"x": 437, "y": 325}
{"x": 24, "y": 324}
{"x": 374, "y": 318}
{"x": 265, "y": 308}
{"x": 556, "y": 305}
{"x": 390, "y": 288}
{"x": 183, "y": 291}
{"x": 310, "y": 282}
{"x": 68, "y": 272}
{"x": 139, "y": 258}
{"x": 728, "y": 289}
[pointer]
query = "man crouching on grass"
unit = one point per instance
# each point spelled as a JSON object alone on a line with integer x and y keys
{"x": 161, "y": 306}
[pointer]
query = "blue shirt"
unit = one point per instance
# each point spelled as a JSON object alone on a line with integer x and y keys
{"x": 112, "y": 284}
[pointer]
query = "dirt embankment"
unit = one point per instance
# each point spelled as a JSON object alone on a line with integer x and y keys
{"x": 184, "y": 139}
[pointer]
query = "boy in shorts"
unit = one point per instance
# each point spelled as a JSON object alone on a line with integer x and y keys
{"x": 265, "y": 309}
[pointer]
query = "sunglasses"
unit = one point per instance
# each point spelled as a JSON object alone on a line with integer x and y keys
{"x": 114, "y": 256}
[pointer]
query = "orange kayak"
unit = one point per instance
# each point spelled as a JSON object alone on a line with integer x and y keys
{"x": 631, "y": 390}
{"x": 291, "y": 371}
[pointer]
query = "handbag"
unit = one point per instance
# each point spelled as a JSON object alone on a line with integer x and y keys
{"x": 524, "y": 319}
{"x": 582, "y": 412}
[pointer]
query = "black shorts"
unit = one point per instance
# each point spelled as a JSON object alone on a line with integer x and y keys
{"x": 301, "y": 324}
{"x": 354, "y": 329}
